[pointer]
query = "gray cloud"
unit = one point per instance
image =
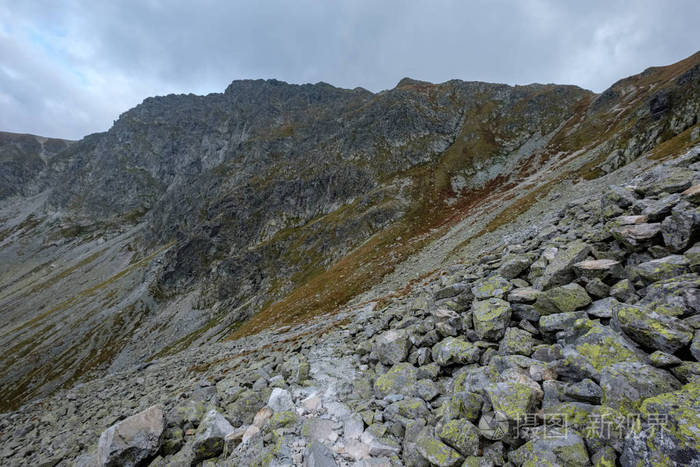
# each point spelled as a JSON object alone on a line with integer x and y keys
{"x": 70, "y": 68}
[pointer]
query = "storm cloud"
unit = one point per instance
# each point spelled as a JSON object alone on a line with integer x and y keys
{"x": 70, "y": 68}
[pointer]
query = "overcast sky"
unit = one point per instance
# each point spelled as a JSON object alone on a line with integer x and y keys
{"x": 69, "y": 68}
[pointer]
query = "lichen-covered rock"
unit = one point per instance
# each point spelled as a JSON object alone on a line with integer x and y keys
{"x": 554, "y": 448}
{"x": 662, "y": 268}
{"x": 513, "y": 399}
{"x": 670, "y": 432}
{"x": 661, "y": 359}
{"x": 562, "y": 299}
{"x": 516, "y": 341}
{"x": 560, "y": 321}
{"x": 436, "y": 452}
{"x": 398, "y": 380}
{"x": 560, "y": 269}
{"x": 491, "y": 317}
{"x": 452, "y": 350}
{"x": 462, "y": 435}
{"x": 392, "y": 346}
{"x": 209, "y": 440}
{"x": 133, "y": 440}
{"x": 654, "y": 330}
{"x": 494, "y": 286}
{"x": 622, "y": 290}
{"x": 626, "y": 384}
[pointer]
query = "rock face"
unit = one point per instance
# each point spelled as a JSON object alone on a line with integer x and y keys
{"x": 133, "y": 440}
{"x": 486, "y": 310}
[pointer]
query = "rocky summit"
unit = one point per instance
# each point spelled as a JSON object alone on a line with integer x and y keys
{"x": 455, "y": 274}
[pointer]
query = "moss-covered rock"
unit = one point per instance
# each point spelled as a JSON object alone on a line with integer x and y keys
{"x": 626, "y": 384}
{"x": 516, "y": 341}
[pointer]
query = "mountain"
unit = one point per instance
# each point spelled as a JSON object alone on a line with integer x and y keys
{"x": 199, "y": 225}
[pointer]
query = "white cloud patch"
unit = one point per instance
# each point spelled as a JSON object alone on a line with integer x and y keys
{"x": 70, "y": 68}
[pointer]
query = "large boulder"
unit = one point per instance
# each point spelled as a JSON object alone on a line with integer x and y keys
{"x": 654, "y": 330}
{"x": 560, "y": 270}
{"x": 436, "y": 452}
{"x": 566, "y": 298}
{"x": 681, "y": 228}
{"x": 662, "y": 268}
{"x": 398, "y": 380}
{"x": 512, "y": 399}
{"x": 491, "y": 318}
{"x": 392, "y": 346}
{"x": 452, "y": 350}
{"x": 626, "y": 384}
{"x": 133, "y": 440}
{"x": 514, "y": 265}
{"x": 599, "y": 268}
{"x": 553, "y": 447}
{"x": 494, "y": 286}
{"x": 670, "y": 432}
{"x": 636, "y": 236}
{"x": 209, "y": 440}
{"x": 462, "y": 435}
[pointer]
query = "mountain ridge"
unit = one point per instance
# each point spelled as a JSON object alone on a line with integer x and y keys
{"x": 198, "y": 218}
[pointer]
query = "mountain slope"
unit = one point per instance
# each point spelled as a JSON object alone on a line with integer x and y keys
{"x": 199, "y": 218}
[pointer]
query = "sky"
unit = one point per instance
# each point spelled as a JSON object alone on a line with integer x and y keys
{"x": 69, "y": 68}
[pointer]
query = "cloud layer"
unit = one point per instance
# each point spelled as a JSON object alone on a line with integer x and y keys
{"x": 70, "y": 68}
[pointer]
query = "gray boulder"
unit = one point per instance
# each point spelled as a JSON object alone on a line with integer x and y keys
{"x": 662, "y": 268}
{"x": 670, "y": 434}
{"x": 680, "y": 229}
{"x": 452, "y": 350}
{"x": 210, "y": 438}
{"x": 494, "y": 286}
{"x": 133, "y": 440}
{"x": 392, "y": 346}
{"x": 654, "y": 330}
{"x": 562, "y": 299}
{"x": 636, "y": 236}
{"x": 318, "y": 455}
{"x": 560, "y": 271}
{"x": 491, "y": 318}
